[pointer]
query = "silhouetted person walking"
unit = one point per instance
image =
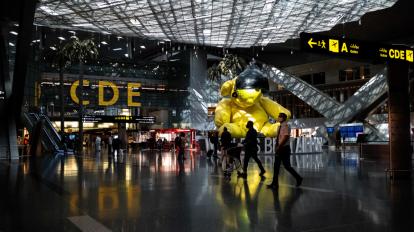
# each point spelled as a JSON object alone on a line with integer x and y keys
{"x": 181, "y": 148}
{"x": 116, "y": 143}
{"x": 214, "y": 140}
{"x": 250, "y": 150}
{"x": 110, "y": 141}
{"x": 283, "y": 153}
{"x": 225, "y": 140}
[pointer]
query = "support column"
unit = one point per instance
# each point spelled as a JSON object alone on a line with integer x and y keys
{"x": 15, "y": 96}
{"x": 341, "y": 96}
{"x": 5, "y": 88}
{"x": 122, "y": 135}
{"x": 195, "y": 114}
{"x": 399, "y": 120}
{"x": 22, "y": 55}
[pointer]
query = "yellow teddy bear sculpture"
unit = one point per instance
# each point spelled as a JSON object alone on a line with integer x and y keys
{"x": 247, "y": 103}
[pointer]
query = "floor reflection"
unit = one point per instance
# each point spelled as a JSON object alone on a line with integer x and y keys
{"x": 153, "y": 191}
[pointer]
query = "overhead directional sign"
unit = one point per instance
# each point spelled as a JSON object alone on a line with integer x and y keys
{"x": 120, "y": 118}
{"x": 355, "y": 48}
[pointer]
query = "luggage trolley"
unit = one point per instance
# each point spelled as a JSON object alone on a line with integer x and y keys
{"x": 231, "y": 161}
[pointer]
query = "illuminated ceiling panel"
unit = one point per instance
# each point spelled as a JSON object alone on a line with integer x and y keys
{"x": 227, "y": 23}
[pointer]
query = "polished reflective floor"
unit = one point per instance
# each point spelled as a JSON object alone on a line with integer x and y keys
{"x": 152, "y": 191}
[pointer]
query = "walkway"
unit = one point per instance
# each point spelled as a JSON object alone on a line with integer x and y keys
{"x": 150, "y": 191}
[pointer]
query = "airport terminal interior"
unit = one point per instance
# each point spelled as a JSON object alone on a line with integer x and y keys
{"x": 206, "y": 115}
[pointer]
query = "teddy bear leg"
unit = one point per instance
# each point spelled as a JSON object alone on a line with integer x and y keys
{"x": 270, "y": 129}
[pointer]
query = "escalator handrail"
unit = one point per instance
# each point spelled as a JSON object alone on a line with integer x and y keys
{"x": 50, "y": 132}
{"x": 33, "y": 118}
{"x": 273, "y": 69}
{"x": 51, "y": 127}
{"x": 50, "y": 139}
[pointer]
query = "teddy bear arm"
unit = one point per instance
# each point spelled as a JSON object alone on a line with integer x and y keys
{"x": 273, "y": 108}
{"x": 270, "y": 129}
{"x": 222, "y": 113}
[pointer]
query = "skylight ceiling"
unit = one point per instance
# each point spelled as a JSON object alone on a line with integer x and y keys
{"x": 227, "y": 23}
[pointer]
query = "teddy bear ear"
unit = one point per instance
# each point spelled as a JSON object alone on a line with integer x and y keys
{"x": 227, "y": 88}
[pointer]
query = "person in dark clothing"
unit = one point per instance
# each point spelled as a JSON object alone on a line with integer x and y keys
{"x": 181, "y": 146}
{"x": 225, "y": 145}
{"x": 116, "y": 145}
{"x": 225, "y": 140}
{"x": 214, "y": 141}
{"x": 177, "y": 142}
{"x": 110, "y": 143}
{"x": 159, "y": 144}
{"x": 283, "y": 153}
{"x": 250, "y": 150}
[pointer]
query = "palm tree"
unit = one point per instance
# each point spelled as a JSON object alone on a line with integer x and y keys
{"x": 78, "y": 51}
{"x": 61, "y": 61}
{"x": 230, "y": 65}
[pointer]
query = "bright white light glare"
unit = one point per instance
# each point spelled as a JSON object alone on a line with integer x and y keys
{"x": 11, "y": 44}
{"x": 104, "y": 43}
{"x": 13, "y": 33}
{"x": 135, "y": 22}
{"x": 48, "y": 10}
{"x": 61, "y": 38}
{"x": 83, "y": 25}
{"x": 224, "y": 23}
{"x": 72, "y": 32}
{"x": 53, "y": 48}
{"x": 117, "y": 49}
{"x": 142, "y": 47}
{"x": 126, "y": 55}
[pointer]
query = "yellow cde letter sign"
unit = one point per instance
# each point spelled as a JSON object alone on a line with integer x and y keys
{"x": 101, "y": 100}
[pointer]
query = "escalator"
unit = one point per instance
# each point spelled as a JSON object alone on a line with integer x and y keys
{"x": 312, "y": 96}
{"x": 50, "y": 138}
{"x": 371, "y": 95}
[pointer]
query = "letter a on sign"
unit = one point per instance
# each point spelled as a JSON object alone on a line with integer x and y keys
{"x": 344, "y": 48}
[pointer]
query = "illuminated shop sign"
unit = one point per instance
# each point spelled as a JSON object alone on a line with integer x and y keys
{"x": 355, "y": 49}
{"x": 119, "y": 118}
{"x": 266, "y": 145}
{"x": 131, "y": 93}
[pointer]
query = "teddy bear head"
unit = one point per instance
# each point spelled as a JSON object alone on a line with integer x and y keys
{"x": 246, "y": 89}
